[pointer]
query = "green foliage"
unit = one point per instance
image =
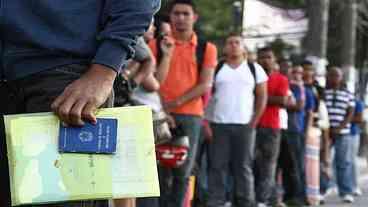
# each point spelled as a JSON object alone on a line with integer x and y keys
{"x": 216, "y": 17}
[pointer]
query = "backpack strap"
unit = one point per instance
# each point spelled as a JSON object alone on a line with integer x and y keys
{"x": 200, "y": 52}
{"x": 219, "y": 65}
{"x": 253, "y": 71}
{"x": 159, "y": 50}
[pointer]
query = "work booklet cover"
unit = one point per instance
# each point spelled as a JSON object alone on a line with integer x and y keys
{"x": 97, "y": 138}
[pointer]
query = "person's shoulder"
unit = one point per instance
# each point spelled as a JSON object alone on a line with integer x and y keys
{"x": 152, "y": 43}
{"x": 211, "y": 47}
{"x": 279, "y": 77}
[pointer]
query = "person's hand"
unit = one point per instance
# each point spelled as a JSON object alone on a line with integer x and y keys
{"x": 326, "y": 170}
{"x": 81, "y": 99}
{"x": 167, "y": 45}
{"x": 253, "y": 124}
{"x": 291, "y": 101}
{"x": 171, "y": 121}
{"x": 335, "y": 131}
{"x": 208, "y": 134}
{"x": 172, "y": 104}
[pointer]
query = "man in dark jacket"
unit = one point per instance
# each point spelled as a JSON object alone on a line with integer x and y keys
{"x": 63, "y": 55}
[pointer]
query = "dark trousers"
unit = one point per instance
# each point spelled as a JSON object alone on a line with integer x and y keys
{"x": 174, "y": 182}
{"x": 288, "y": 165}
{"x": 267, "y": 152}
{"x": 34, "y": 93}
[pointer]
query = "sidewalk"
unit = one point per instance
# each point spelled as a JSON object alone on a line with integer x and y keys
{"x": 362, "y": 201}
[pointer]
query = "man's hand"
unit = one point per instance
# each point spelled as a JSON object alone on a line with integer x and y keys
{"x": 81, "y": 99}
{"x": 335, "y": 131}
{"x": 172, "y": 104}
{"x": 167, "y": 45}
{"x": 171, "y": 121}
{"x": 253, "y": 123}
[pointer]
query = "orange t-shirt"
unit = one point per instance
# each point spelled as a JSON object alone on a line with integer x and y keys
{"x": 183, "y": 74}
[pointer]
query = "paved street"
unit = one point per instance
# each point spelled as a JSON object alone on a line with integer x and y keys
{"x": 362, "y": 201}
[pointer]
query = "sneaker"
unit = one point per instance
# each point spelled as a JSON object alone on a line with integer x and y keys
{"x": 261, "y": 205}
{"x": 322, "y": 199}
{"x": 280, "y": 204}
{"x": 348, "y": 199}
{"x": 228, "y": 204}
{"x": 357, "y": 192}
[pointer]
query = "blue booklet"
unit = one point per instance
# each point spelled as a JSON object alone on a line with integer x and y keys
{"x": 100, "y": 138}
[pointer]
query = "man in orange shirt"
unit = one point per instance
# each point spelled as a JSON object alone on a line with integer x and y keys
{"x": 182, "y": 85}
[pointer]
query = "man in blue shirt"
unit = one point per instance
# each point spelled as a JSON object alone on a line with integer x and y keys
{"x": 64, "y": 55}
{"x": 292, "y": 139}
{"x": 355, "y": 135}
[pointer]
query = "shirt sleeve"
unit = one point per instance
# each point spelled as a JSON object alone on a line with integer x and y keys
{"x": 283, "y": 86}
{"x": 141, "y": 50}
{"x": 351, "y": 100}
{"x": 261, "y": 74}
{"x": 310, "y": 101}
{"x": 359, "y": 108}
{"x": 153, "y": 46}
{"x": 297, "y": 92}
{"x": 210, "y": 57}
{"x": 126, "y": 20}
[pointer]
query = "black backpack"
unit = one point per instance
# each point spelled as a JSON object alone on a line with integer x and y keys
{"x": 221, "y": 64}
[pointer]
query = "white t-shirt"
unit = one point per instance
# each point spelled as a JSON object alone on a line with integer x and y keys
{"x": 151, "y": 99}
{"x": 283, "y": 119}
{"x": 233, "y": 100}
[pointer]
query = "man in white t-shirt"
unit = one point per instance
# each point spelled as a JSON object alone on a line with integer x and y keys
{"x": 239, "y": 99}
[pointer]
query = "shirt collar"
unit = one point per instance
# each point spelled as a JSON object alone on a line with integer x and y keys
{"x": 193, "y": 41}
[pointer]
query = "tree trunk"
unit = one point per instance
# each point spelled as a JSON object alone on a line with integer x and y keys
{"x": 348, "y": 33}
{"x": 348, "y": 46}
{"x": 316, "y": 39}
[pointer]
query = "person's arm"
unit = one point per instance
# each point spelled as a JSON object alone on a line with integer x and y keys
{"x": 80, "y": 99}
{"x": 299, "y": 103}
{"x": 358, "y": 118}
{"x": 127, "y": 19}
{"x": 278, "y": 100}
{"x": 147, "y": 67}
{"x": 260, "y": 103}
{"x": 326, "y": 146}
{"x": 205, "y": 79}
{"x": 204, "y": 84}
{"x": 358, "y": 113}
{"x": 167, "y": 48}
{"x": 150, "y": 84}
{"x": 347, "y": 120}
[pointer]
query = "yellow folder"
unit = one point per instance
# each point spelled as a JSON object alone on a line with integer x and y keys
{"x": 40, "y": 174}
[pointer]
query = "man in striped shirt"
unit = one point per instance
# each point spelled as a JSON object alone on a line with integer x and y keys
{"x": 340, "y": 104}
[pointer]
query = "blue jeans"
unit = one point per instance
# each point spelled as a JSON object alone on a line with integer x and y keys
{"x": 343, "y": 162}
{"x": 354, "y": 153}
{"x": 174, "y": 182}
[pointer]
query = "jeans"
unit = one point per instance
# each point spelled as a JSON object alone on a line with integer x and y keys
{"x": 267, "y": 152}
{"x": 343, "y": 163}
{"x": 201, "y": 172}
{"x": 174, "y": 182}
{"x": 289, "y": 166}
{"x": 232, "y": 146}
{"x": 354, "y": 153}
{"x": 35, "y": 93}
